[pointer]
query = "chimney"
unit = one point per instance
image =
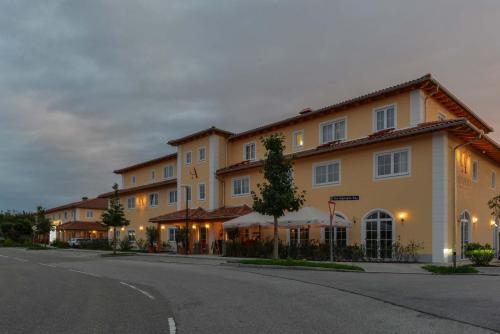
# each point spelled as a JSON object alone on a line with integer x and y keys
{"x": 305, "y": 111}
{"x": 85, "y": 198}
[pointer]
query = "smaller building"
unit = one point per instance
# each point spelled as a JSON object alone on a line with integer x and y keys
{"x": 78, "y": 220}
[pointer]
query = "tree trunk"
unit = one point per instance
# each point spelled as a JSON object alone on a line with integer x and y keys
{"x": 114, "y": 241}
{"x": 276, "y": 239}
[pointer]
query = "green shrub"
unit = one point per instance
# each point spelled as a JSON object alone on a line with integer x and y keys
{"x": 125, "y": 244}
{"x": 59, "y": 244}
{"x": 480, "y": 257}
{"x": 97, "y": 244}
{"x": 8, "y": 243}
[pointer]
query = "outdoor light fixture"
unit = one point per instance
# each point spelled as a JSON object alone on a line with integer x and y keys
{"x": 141, "y": 228}
{"x": 207, "y": 226}
{"x": 474, "y": 220}
{"x": 402, "y": 217}
{"x": 123, "y": 228}
{"x": 110, "y": 229}
{"x": 194, "y": 227}
{"x": 163, "y": 227}
{"x": 493, "y": 223}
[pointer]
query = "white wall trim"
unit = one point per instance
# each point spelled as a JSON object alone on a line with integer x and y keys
{"x": 178, "y": 173}
{"x": 416, "y": 107}
{"x": 213, "y": 165}
{"x": 440, "y": 197}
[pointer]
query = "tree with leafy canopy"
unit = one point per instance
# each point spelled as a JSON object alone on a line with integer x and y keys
{"x": 278, "y": 193}
{"x": 494, "y": 205}
{"x": 42, "y": 223}
{"x": 114, "y": 217}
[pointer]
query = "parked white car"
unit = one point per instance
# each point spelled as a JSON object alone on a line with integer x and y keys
{"x": 77, "y": 242}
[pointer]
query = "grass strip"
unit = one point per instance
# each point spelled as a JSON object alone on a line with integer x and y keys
{"x": 449, "y": 270}
{"x": 300, "y": 263}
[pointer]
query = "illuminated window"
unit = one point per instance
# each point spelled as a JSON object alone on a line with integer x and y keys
{"x": 298, "y": 140}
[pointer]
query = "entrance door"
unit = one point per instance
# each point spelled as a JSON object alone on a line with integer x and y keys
{"x": 378, "y": 235}
{"x": 464, "y": 232}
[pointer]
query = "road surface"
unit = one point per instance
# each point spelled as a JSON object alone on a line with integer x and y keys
{"x": 62, "y": 291}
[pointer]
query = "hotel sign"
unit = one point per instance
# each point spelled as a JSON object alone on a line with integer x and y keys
{"x": 345, "y": 198}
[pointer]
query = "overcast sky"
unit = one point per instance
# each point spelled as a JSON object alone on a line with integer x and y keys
{"x": 90, "y": 86}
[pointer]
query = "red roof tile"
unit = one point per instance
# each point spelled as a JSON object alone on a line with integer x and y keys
{"x": 132, "y": 190}
{"x": 459, "y": 127}
{"x": 199, "y": 214}
{"x": 94, "y": 203}
{"x": 81, "y": 225}
{"x": 146, "y": 163}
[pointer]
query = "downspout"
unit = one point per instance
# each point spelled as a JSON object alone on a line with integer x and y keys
{"x": 455, "y": 195}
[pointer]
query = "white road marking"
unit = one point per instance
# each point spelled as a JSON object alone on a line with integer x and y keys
{"x": 47, "y": 265}
{"x": 83, "y": 272}
{"x": 19, "y": 259}
{"x": 147, "y": 294}
{"x": 3, "y": 255}
{"x": 171, "y": 324}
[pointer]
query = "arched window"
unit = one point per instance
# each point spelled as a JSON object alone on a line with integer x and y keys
{"x": 464, "y": 232}
{"x": 378, "y": 234}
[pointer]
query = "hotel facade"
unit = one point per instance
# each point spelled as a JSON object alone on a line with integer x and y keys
{"x": 416, "y": 162}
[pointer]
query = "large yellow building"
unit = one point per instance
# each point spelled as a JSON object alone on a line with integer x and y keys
{"x": 416, "y": 161}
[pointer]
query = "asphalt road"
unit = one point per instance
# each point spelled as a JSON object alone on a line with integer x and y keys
{"x": 81, "y": 292}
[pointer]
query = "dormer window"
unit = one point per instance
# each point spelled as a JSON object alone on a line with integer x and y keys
{"x": 249, "y": 151}
{"x": 333, "y": 130}
{"x": 385, "y": 118}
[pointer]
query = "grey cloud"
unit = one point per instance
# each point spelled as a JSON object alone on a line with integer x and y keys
{"x": 90, "y": 86}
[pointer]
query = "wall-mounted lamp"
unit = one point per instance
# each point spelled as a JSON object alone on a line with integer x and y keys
{"x": 141, "y": 228}
{"x": 493, "y": 223}
{"x": 110, "y": 229}
{"x": 194, "y": 227}
{"x": 163, "y": 227}
{"x": 474, "y": 220}
{"x": 353, "y": 220}
{"x": 207, "y": 225}
{"x": 402, "y": 217}
{"x": 123, "y": 229}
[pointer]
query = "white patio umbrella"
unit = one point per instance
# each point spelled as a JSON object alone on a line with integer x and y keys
{"x": 250, "y": 219}
{"x": 308, "y": 216}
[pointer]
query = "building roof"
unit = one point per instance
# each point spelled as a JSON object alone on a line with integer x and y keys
{"x": 146, "y": 163}
{"x": 82, "y": 225}
{"x": 460, "y": 128}
{"x": 200, "y": 214}
{"x": 150, "y": 186}
{"x": 427, "y": 83}
{"x": 200, "y": 134}
{"x": 93, "y": 203}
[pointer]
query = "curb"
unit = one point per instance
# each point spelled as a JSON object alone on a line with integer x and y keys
{"x": 233, "y": 264}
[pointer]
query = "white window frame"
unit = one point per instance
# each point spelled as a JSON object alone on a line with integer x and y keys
{"x": 245, "y": 151}
{"x": 374, "y": 117}
{"x": 294, "y": 140}
{"x": 157, "y": 201}
{"x": 326, "y": 163}
{"x": 241, "y": 178}
{"x": 89, "y": 214}
{"x": 170, "y": 166}
{"x": 204, "y": 191}
{"x": 190, "y": 154}
{"x": 475, "y": 177}
{"x": 168, "y": 234}
{"x": 133, "y": 200}
{"x": 392, "y": 175}
{"x": 205, "y": 154}
{"x": 176, "y": 198}
{"x": 493, "y": 179}
{"x": 332, "y": 122}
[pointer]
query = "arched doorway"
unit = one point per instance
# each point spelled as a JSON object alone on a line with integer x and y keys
{"x": 378, "y": 234}
{"x": 464, "y": 232}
